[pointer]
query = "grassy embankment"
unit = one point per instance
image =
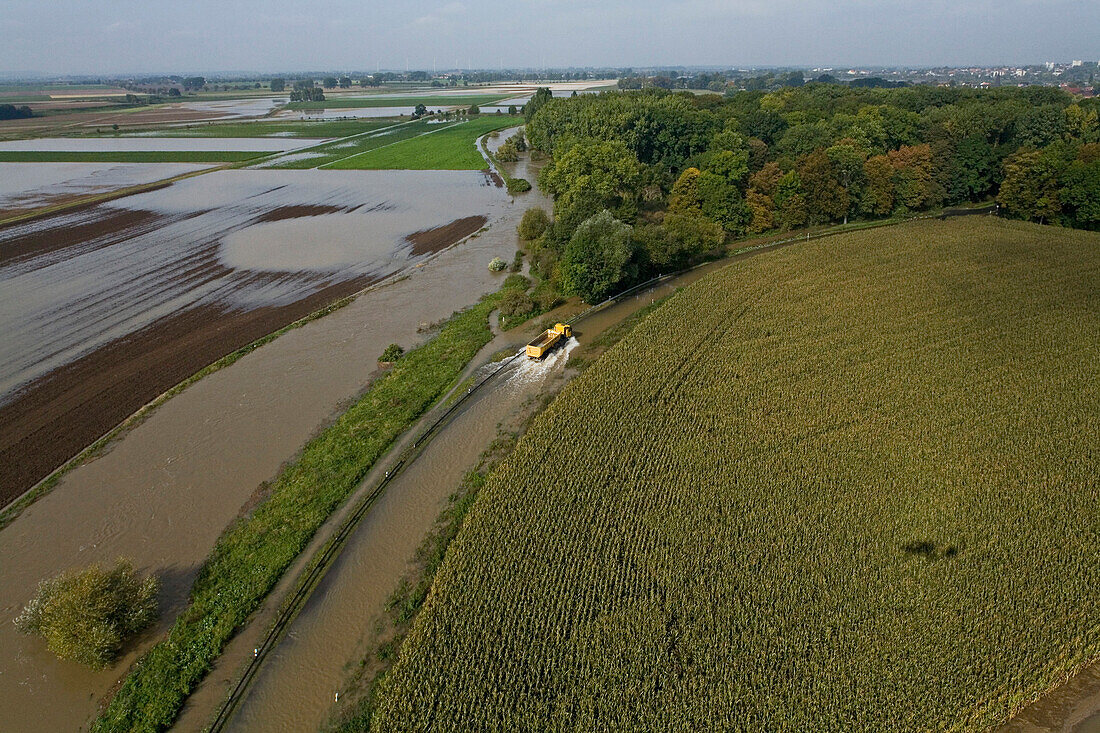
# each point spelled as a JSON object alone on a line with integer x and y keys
{"x": 449, "y": 147}
{"x": 396, "y": 100}
{"x": 129, "y": 156}
{"x": 850, "y": 484}
{"x": 252, "y": 555}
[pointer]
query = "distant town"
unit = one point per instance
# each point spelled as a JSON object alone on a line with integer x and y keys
{"x": 1078, "y": 77}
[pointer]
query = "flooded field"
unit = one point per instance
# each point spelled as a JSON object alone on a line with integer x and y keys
{"x": 28, "y": 186}
{"x": 166, "y": 489}
{"x": 295, "y": 688}
{"x": 253, "y": 107}
{"x": 104, "y": 308}
{"x": 157, "y": 144}
{"x": 338, "y": 113}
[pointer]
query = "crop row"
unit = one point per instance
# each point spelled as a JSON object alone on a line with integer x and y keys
{"x": 850, "y": 485}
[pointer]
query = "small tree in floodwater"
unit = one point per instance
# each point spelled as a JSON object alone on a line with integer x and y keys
{"x": 87, "y": 615}
{"x": 392, "y": 353}
{"x": 533, "y": 224}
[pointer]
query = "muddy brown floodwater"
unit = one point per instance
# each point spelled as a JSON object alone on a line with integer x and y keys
{"x": 25, "y": 187}
{"x": 294, "y": 690}
{"x": 105, "y": 307}
{"x": 163, "y": 491}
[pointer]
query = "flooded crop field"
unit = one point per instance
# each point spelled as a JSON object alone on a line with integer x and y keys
{"x": 156, "y": 144}
{"x": 105, "y": 307}
{"x": 166, "y": 489}
{"x": 338, "y": 113}
{"x": 27, "y": 186}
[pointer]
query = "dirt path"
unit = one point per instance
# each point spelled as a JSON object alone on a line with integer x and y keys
{"x": 1072, "y": 708}
{"x": 165, "y": 490}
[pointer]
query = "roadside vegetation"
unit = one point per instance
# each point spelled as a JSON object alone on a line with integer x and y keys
{"x": 447, "y": 146}
{"x": 848, "y": 484}
{"x": 87, "y": 615}
{"x": 408, "y": 597}
{"x": 252, "y": 555}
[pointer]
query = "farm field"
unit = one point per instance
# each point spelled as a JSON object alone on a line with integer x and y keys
{"x": 128, "y": 156}
{"x": 451, "y": 148}
{"x": 392, "y": 100}
{"x": 322, "y": 155}
{"x": 262, "y": 128}
{"x": 848, "y": 485}
{"x": 28, "y": 187}
{"x": 105, "y": 307}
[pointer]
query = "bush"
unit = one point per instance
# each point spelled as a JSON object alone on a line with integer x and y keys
{"x": 392, "y": 353}
{"x": 507, "y": 152}
{"x": 518, "y": 185}
{"x": 516, "y": 281}
{"x": 517, "y": 262}
{"x": 87, "y": 615}
{"x": 533, "y": 224}
{"x": 597, "y": 257}
{"x": 497, "y": 264}
{"x": 515, "y": 303}
{"x": 546, "y": 295}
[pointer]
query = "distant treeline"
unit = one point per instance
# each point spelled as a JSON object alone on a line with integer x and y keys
{"x": 684, "y": 171}
{"x": 11, "y": 112}
{"x": 719, "y": 81}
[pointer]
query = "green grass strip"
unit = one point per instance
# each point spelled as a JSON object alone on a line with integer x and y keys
{"x": 252, "y": 555}
{"x": 128, "y": 156}
{"x": 452, "y": 148}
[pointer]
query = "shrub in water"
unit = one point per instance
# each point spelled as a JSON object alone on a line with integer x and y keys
{"x": 533, "y": 224}
{"x": 392, "y": 353}
{"x": 87, "y": 615}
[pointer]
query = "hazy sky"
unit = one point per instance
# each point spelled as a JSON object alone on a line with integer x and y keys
{"x": 120, "y": 36}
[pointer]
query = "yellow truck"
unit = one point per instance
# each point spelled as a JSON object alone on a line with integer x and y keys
{"x": 548, "y": 340}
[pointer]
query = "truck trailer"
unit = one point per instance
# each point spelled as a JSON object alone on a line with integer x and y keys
{"x": 548, "y": 339}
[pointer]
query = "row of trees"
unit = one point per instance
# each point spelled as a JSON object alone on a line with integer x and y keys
{"x": 11, "y": 112}
{"x": 682, "y": 172}
{"x": 305, "y": 91}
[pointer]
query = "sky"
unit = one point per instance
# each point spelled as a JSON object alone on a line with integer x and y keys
{"x": 180, "y": 36}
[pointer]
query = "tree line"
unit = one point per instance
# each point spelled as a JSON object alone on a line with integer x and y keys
{"x": 648, "y": 181}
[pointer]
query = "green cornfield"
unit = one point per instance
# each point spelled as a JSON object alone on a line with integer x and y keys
{"x": 850, "y": 485}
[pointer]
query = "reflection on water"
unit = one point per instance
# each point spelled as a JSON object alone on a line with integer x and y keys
{"x": 206, "y": 242}
{"x": 31, "y": 185}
